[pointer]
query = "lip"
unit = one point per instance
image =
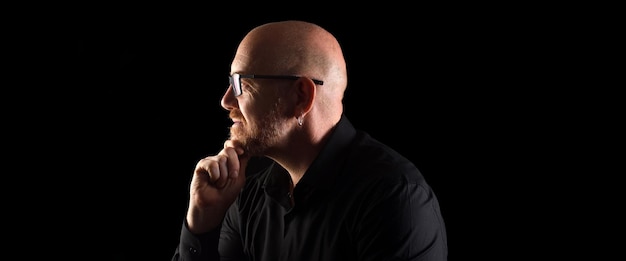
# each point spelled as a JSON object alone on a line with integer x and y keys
{"x": 237, "y": 123}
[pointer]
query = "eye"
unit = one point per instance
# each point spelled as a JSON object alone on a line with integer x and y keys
{"x": 246, "y": 86}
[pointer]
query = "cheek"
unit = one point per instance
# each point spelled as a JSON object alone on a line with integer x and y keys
{"x": 252, "y": 114}
{"x": 259, "y": 110}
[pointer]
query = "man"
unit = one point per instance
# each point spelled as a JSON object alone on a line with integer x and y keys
{"x": 332, "y": 192}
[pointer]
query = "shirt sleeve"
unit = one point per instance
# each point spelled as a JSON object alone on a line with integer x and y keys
{"x": 230, "y": 242}
{"x": 193, "y": 247}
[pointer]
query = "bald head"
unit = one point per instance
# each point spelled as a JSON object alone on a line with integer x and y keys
{"x": 296, "y": 48}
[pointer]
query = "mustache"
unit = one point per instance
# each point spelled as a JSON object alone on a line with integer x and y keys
{"x": 235, "y": 114}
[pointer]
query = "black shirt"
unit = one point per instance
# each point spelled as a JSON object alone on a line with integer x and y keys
{"x": 359, "y": 200}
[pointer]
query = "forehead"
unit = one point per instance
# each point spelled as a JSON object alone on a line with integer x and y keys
{"x": 256, "y": 59}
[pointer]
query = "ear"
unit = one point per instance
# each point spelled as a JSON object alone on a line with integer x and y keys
{"x": 305, "y": 95}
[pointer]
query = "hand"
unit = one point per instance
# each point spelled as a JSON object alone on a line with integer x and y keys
{"x": 216, "y": 183}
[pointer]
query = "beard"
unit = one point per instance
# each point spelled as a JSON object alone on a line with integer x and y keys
{"x": 258, "y": 135}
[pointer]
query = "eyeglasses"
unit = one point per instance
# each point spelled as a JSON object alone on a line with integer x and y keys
{"x": 235, "y": 80}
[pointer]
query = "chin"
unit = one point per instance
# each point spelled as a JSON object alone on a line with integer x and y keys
{"x": 235, "y": 136}
{"x": 239, "y": 137}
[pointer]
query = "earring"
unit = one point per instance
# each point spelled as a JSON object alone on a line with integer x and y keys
{"x": 300, "y": 119}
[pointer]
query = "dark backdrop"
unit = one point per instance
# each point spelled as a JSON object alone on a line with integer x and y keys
{"x": 139, "y": 99}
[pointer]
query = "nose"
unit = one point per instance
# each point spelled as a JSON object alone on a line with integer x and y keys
{"x": 228, "y": 99}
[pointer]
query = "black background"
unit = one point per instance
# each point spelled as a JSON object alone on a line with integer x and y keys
{"x": 133, "y": 101}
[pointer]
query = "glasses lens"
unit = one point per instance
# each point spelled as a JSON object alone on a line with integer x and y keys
{"x": 235, "y": 83}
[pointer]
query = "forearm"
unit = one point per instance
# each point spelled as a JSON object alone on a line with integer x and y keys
{"x": 200, "y": 221}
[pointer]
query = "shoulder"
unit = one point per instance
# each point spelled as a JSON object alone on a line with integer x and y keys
{"x": 370, "y": 157}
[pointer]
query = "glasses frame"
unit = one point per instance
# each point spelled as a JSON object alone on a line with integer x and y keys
{"x": 235, "y": 80}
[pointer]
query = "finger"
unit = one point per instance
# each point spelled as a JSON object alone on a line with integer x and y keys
{"x": 243, "y": 157}
{"x": 233, "y": 163}
{"x": 222, "y": 169}
{"x": 205, "y": 172}
{"x": 234, "y": 144}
